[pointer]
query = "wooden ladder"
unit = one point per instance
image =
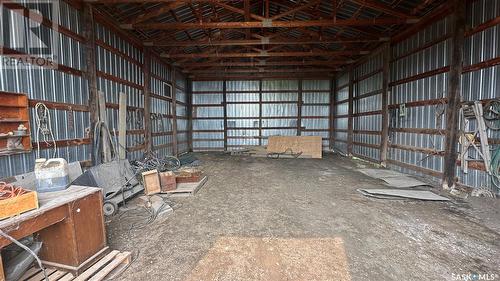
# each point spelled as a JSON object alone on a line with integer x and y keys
{"x": 469, "y": 138}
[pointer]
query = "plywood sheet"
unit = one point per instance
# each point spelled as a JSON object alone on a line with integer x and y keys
{"x": 273, "y": 259}
{"x": 308, "y": 145}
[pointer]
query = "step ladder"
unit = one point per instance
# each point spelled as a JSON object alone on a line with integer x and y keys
{"x": 476, "y": 139}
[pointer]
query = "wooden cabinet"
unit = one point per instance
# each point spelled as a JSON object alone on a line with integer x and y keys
{"x": 69, "y": 223}
{"x": 14, "y": 112}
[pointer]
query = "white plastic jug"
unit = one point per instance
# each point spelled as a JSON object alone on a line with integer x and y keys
{"x": 51, "y": 174}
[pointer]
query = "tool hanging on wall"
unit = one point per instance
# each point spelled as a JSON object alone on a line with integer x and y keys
{"x": 44, "y": 127}
{"x": 492, "y": 114}
{"x": 477, "y": 139}
{"x": 439, "y": 110}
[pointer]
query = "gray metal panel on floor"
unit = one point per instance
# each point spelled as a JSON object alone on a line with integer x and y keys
{"x": 393, "y": 178}
{"x": 410, "y": 194}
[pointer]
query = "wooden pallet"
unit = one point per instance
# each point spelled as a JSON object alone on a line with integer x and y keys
{"x": 107, "y": 268}
{"x": 187, "y": 189}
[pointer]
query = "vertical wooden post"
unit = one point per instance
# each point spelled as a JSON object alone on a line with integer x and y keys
{"x": 299, "y": 109}
{"x": 189, "y": 92}
{"x": 90, "y": 67}
{"x": 175, "y": 147}
{"x": 146, "y": 69}
{"x": 224, "y": 100}
{"x": 260, "y": 112}
{"x": 385, "y": 104}
{"x": 350, "y": 127}
{"x": 454, "y": 93}
{"x": 331, "y": 120}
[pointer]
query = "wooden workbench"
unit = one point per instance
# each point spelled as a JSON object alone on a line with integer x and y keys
{"x": 70, "y": 224}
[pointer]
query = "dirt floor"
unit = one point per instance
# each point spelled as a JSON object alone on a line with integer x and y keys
{"x": 302, "y": 219}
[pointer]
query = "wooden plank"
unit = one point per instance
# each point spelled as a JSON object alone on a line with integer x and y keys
{"x": 454, "y": 93}
{"x": 122, "y": 126}
{"x": 151, "y": 182}
{"x": 147, "y": 99}
{"x": 40, "y": 275}
{"x": 299, "y": 109}
{"x": 260, "y": 112}
{"x": 90, "y": 58}
{"x": 350, "y": 112}
{"x": 307, "y": 145}
{"x": 174, "y": 112}
{"x": 121, "y": 258}
{"x": 385, "y": 104}
{"x": 97, "y": 266}
{"x": 57, "y": 275}
{"x": 31, "y": 271}
{"x": 187, "y": 189}
{"x": 106, "y": 149}
{"x": 331, "y": 124}
{"x": 67, "y": 277}
{"x": 224, "y": 102}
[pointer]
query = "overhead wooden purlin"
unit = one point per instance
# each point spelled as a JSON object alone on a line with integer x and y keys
{"x": 217, "y": 38}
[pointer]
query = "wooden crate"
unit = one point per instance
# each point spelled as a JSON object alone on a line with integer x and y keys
{"x": 151, "y": 182}
{"x": 16, "y": 205}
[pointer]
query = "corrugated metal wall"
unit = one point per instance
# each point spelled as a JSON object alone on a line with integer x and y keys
{"x": 53, "y": 86}
{"x": 367, "y": 118}
{"x": 257, "y": 109}
{"x": 481, "y": 83}
{"x": 119, "y": 63}
{"x": 418, "y": 88}
{"x": 161, "y": 107}
{"x": 414, "y": 86}
{"x": 120, "y": 70}
{"x": 341, "y": 112}
{"x": 182, "y": 113}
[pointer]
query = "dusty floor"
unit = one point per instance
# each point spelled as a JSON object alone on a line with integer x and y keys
{"x": 302, "y": 219}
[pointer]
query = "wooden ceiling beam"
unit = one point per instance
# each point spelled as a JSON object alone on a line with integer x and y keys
{"x": 151, "y": 14}
{"x": 152, "y": 1}
{"x": 296, "y": 9}
{"x": 266, "y": 63}
{"x": 264, "y": 41}
{"x": 237, "y": 10}
{"x": 268, "y": 24}
{"x": 269, "y": 54}
{"x": 261, "y": 70}
{"x": 246, "y": 76}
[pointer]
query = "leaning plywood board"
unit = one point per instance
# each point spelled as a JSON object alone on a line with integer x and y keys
{"x": 306, "y": 145}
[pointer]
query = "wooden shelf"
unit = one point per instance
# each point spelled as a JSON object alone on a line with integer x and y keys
{"x": 11, "y": 106}
{"x": 14, "y": 111}
{"x": 13, "y": 137}
{"x": 13, "y": 121}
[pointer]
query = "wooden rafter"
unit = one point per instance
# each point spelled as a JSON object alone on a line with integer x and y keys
{"x": 376, "y": 5}
{"x": 263, "y": 41}
{"x": 269, "y": 54}
{"x": 268, "y": 24}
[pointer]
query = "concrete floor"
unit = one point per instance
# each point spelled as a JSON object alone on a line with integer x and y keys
{"x": 302, "y": 219}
